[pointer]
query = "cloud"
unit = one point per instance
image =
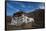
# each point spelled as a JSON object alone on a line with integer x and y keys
{"x": 10, "y": 6}
{"x": 17, "y": 10}
{"x": 42, "y": 6}
{"x": 22, "y": 5}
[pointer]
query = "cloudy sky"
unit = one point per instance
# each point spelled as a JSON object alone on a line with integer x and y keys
{"x": 15, "y": 6}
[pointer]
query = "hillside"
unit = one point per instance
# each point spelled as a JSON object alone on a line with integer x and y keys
{"x": 38, "y": 16}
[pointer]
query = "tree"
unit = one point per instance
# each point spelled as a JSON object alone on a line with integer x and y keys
{"x": 18, "y": 13}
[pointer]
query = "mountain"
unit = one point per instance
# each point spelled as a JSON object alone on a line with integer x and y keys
{"x": 39, "y": 17}
{"x": 37, "y": 14}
